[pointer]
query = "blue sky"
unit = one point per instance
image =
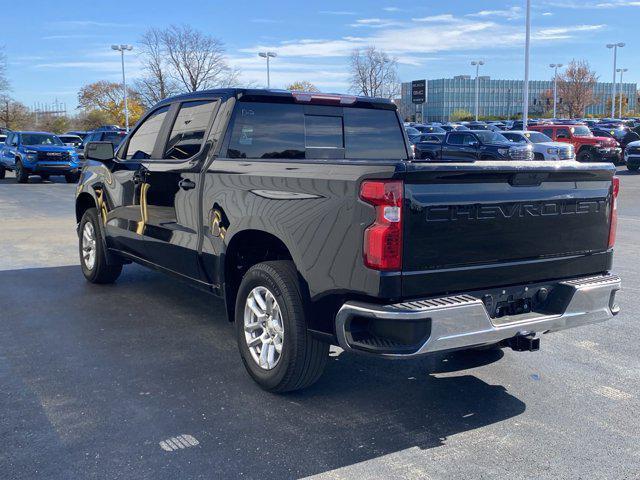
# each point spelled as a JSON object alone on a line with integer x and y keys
{"x": 53, "y": 48}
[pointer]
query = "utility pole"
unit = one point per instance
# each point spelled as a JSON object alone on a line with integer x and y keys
{"x": 122, "y": 49}
{"x": 525, "y": 89}
{"x": 621, "y": 71}
{"x": 477, "y": 63}
{"x": 555, "y": 87}
{"x": 615, "y": 47}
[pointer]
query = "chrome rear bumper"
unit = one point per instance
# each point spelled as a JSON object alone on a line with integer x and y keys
{"x": 462, "y": 321}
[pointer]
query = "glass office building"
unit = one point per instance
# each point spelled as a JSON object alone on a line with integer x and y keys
{"x": 500, "y": 98}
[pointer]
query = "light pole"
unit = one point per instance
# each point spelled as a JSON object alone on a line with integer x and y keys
{"x": 268, "y": 55}
{"x": 525, "y": 87}
{"x": 477, "y": 63}
{"x": 615, "y": 47}
{"x": 555, "y": 66}
{"x": 621, "y": 71}
{"x": 122, "y": 49}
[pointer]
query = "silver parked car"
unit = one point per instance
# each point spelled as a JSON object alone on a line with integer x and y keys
{"x": 543, "y": 147}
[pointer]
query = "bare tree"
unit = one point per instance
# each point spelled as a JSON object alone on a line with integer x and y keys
{"x": 157, "y": 82}
{"x": 14, "y": 115}
{"x": 4, "y": 82}
{"x": 576, "y": 88}
{"x": 197, "y": 60}
{"x": 374, "y": 73}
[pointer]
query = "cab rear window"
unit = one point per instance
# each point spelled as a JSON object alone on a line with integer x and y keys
{"x": 291, "y": 131}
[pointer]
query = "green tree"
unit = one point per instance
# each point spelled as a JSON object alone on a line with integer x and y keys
{"x": 461, "y": 115}
{"x": 302, "y": 86}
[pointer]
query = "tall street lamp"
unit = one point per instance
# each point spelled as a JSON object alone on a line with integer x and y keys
{"x": 525, "y": 87}
{"x": 615, "y": 47}
{"x": 621, "y": 71}
{"x": 122, "y": 49}
{"x": 268, "y": 55}
{"x": 555, "y": 66}
{"x": 477, "y": 63}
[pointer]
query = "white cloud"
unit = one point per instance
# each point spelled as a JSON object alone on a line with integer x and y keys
{"x": 559, "y": 33}
{"x": 446, "y": 17}
{"x": 575, "y": 4}
{"x": 512, "y": 13}
{"x": 374, "y": 23}
{"x": 336, "y": 12}
{"x": 547, "y": 14}
{"x": 391, "y": 9}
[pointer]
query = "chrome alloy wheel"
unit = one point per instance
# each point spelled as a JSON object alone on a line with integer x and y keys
{"x": 263, "y": 327}
{"x": 89, "y": 246}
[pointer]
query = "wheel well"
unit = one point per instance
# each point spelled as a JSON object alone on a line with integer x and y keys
{"x": 538, "y": 156}
{"x": 246, "y": 249}
{"x": 83, "y": 203}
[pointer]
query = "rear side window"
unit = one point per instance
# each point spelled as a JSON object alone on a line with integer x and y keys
{"x": 265, "y": 130}
{"x": 548, "y": 132}
{"x": 189, "y": 128}
{"x": 455, "y": 139}
{"x": 144, "y": 138}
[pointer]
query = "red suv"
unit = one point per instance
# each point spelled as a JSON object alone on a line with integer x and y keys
{"x": 588, "y": 148}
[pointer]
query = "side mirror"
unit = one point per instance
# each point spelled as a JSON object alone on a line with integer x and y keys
{"x": 99, "y": 151}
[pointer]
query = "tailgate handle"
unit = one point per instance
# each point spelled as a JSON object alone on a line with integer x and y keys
{"x": 527, "y": 179}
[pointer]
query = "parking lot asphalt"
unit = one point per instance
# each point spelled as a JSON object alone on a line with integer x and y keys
{"x": 96, "y": 380}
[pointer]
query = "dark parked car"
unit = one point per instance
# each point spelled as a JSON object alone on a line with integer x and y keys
{"x": 429, "y": 129}
{"x": 115, "y": 137}
{"x": 475, "y": 145}
{"x": 70, "y": 140}
{"x": 307, "y": 215}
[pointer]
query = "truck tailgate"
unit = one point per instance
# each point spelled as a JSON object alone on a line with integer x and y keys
{"x": 472, "y": 226}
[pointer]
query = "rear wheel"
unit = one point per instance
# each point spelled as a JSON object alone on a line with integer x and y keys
{"x": 93, "y": 259}
{"x": 44, "y": 176}
{"x": 585, "y": 156}
{"x": 275, "y": 346}
{"x": 633, "y": 168}
{"x": 21, "y": 175}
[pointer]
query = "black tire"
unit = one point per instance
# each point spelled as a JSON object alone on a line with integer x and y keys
{"x": 303, "y": 357}
{"x": 633, "y": 168}
{"x": 21, "y": 175}
{"x": 72, "y": 177}
{"x": 44, "y": 176}
{"x": 538, "y": 156}
{"x": 100, "y": 272}
{"x": 3, "y": 172}
{"x": 585, "y": 156}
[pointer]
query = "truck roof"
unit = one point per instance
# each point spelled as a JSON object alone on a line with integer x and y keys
{"x": 285, "y": 95}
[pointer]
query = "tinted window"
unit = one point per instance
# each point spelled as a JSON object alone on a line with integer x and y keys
{"x": 265, "y": 130}
{"x": 144, "y": 139}
{"x": 187, "y": 134}
{"x": 515, "y": 137}
{"x": 537, "y": 137}
{"x": 491, "y": 137}
{"x": 562, "y": 133}
{"x": 113, "y": 137}
{"x": 581, "y": 131}
{"x": 40, "y": 139}
{"x": 469, "y": 139}
{"x": 548, "y": 132}
{"x": 371, "y": 134}
{"x": 455, "y": 139}
{"x": 323, "y": 132}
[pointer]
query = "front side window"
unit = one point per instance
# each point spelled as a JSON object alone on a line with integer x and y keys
{"x": 144, "y": 138}
{"x": 187, "y": 134}
{"x": 562, "y": 133}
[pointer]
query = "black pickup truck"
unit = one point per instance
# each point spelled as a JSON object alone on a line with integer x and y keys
{"x": 470, "y": 146}
{"x": 307, "y": 214}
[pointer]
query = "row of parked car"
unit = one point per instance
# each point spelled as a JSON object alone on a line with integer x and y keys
{"x": 610, "y": 140}
{"x": 45, "y": 154}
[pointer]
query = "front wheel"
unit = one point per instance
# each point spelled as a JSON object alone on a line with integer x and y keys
{"x": 275, "y": 346}
{"x": 93, "y": 259}
{"x": 72, "y": 177}
{"x": 21, "y": 175}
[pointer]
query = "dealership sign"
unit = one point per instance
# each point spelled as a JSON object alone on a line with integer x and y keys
{"x": 418, "y": 91}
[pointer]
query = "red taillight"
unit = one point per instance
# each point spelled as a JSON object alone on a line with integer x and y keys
{"x": 383, "y": 238}
{"x": 615, "y": 189}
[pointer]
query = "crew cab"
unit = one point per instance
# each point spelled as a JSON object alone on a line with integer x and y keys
{"x": 472, "y": 145}
{"x": 38, "y": 153}
{"x": 307, "y": 214}
{"x": 543, "y": 147}
{"x": 588, "y": 147}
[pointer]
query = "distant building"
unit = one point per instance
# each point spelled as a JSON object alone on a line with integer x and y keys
{"x": 502, "y": 98}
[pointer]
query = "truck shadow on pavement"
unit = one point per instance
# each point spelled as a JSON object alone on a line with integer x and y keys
{"x": 96, "y": 376}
